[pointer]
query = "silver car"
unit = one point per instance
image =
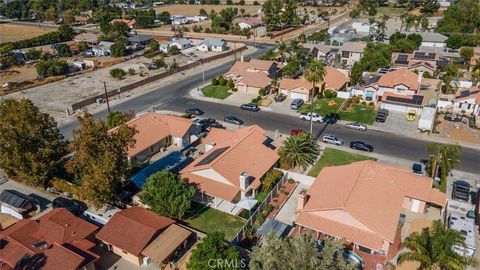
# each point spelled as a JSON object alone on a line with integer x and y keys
{"x": 332, "y": 139}
{"x": 357, "y": 126}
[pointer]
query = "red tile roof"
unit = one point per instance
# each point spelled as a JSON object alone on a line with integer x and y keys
{"x": 133, "y": 229}
{"x": 334, "y": 78}
{"x": 401, "y": 76}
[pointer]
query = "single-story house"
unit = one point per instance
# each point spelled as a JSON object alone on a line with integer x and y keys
{"x": 364, "y": 203}
{"x": 351, "y": 52}
{"x": 83, "y": 19}
{"x": 155, "y": 132}
{"x": 60, "y": 239}
{"x": 90, "y": 38}
{"x": 131, "y": 23}
{"x": 232, "y": 167}
{"x": 139, "y": 40}
{"x": 432, "y": 39}
{"x": 181, "y": 43}
{"x": 419, "y": 61}
{"x": 250, "y": 22}
{"x": 212, "y": 45}
{"x": 334, "y": 79}
{"x": 17, "y": 204}
{"x": 296, "y": 88}
{"x": 140, "y": 236}
{"x": 178, "y": 20}
{"x": 102, "y": 49}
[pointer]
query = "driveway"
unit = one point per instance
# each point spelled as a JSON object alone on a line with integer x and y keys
{"x": 283, "y": 107}
{"x": 397, "y": 123}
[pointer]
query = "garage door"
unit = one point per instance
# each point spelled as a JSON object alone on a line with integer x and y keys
{"x": 395, "y": 107}
{"x": 299, "y": 95}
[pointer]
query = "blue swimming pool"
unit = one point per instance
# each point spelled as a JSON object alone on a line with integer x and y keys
{"x": 168, "y": 162}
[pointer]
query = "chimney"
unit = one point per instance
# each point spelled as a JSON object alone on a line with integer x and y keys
{"x": 302, "y": 199}
{"x": 244, "y": 181}
{"x": 420, "y": 76}
{"x": 241, "y": 58}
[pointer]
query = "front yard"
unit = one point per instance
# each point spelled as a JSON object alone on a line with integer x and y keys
{"x": 321, "y": 106}
{"x": 216, "y": 91}
{"x": 359, "y": 113}
{"x": 207, "y": 220}
{"x": 334, "y": 157}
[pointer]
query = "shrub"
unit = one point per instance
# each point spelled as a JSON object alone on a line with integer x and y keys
{"x": 214, "y": 81}
{"x": 270, "y": 179}
{"x": 364, "y": 103}
{"x": 371, "y": 104}
{"x": 291, "y": 181}
{"x": 221, "y": 81}
{"x": 286, "y": 192}
{"x": 131, "y": 71}
{"x": 262, "y": 92}
{"x": 65, "y": 186}
{"x": 357, "y": 101}
{"x": 256, "y": 99}
{"x": 63, "y": 50}
{"x": 256, "y": 3}
{"x": 118, "y": 49}
{"x": 118, "y": 73}
{"x": 52, "y": 67}
{"x": 241, "y": 2}
{"x": 328, "y": 93}
{"x": 234, "y": 89}
{"x": 33, "y": 54}
{"x": 230, "y": 84}
{"x": 159, "y": 63}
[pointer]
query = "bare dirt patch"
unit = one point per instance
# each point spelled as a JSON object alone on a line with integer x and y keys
{"x": 11, "y": 32}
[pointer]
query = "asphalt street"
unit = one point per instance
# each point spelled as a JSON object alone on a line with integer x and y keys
{"x": 175, "y": 97}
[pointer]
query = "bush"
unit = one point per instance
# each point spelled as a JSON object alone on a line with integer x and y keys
{"x": 256, "y": 3}
{"x": 357, "y": 101}
{"x": 63, "y": 50}
{"x": 234, "y": 89}
{"x": 159, "y": 63}
{"x": 214, "y": 81}
{"x": 118, "y": 73}
{"x": 371, "y": 104}
{"x": 33, "y": 54}
{"x": 118, "y": 49}
{"x": 291, "y": 181}
{"x": 221, "y": 81}
{"x": 65, "y": 186}
{"x": 270, "y": 179}
{"x": 52, "y": 67}
{"x": 328, "y": 93}
{"x": 256, "y": 99}
{"x": 230, "y": 84}
{"x": 364, "y": 103}
{"x": 131, "y": 71}
{"x": 262, "y": 92}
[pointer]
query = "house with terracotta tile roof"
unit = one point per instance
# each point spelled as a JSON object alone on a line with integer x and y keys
{"x": 58, "y": 240}
{"x": 232, "y": 167}
{"x": 131, "y": 23}
{"x": 251, "y": 76}
{"x": 136, "y": 235}
{"x": 155, "y": 132}
{"x": 361, "y": 203}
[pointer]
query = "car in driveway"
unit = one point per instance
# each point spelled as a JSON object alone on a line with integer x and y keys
{"x": 296, "y": 104}
{"x": 280, "y": 98}
{"x": 217, "y": 125}
{"x": 250, "y": 107}
{"x": 332, "y": 139}
{"x": 233, "y": 120}
{"x": 74, "y": 206}
{"x": 194, "y": 111}
{"x": 357, "y": 126}
{"x": 381, "y": 115}
{"x": 314, "y": 116}
{"x": 204, "y": 123}
{"x": 358, "y": 145}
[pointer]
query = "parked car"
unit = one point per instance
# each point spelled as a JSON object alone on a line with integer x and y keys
{"x": 74, "y": 206}
{"x": 194, "y": 111}
{"x": 417, "y": 169}
{"x": 295, "y": 132}
{"x": 330, "y": 119}
{"x": 205, "y": 123}
{"x": 358, "y": 145}
{"x": 296, "y": 104}
{"x": 411, "y": 115}
{"x": 332, "y": 139}
{"x": 217, "y": 125}
{"x": 314, "y": 116}
{"x": 461, "y": 191}
{"x": 357, "y": 126}
{"x": 250, "y": 107}
{"x": 233, "y": 120}
{"x": 280, "y": 98}
{"x": 381, "y": 115}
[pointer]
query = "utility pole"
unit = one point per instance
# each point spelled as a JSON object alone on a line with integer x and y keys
{"x": 106, "y": 94}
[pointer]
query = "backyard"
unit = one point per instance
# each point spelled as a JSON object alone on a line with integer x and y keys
{"x": 216, "y": 91}
{"x": 334, "y": 157}
{"x": 207, "y": 220}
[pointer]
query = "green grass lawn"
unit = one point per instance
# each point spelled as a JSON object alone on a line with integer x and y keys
{"x": 390, "y": 11}
{"x": 334, "y": 157}
{"x": 260, "y": 197}
{"x": 216, "y": 91}
{"x": 359, "y": 113}
{"x": 321, "y": 106}
{"x": 206, "y": 219}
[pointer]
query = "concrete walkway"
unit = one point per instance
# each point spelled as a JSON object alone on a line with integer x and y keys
{"x": 287, "y": 213}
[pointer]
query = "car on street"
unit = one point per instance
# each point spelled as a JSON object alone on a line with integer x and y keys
{"x": 314, "y": 116}
{"x": 233, "y": 120}
{"x": 296, "y": 104}
{"x": 417, "y": 169}
{"x": 358, "y": 145}
{"x": 74, "y": 206}
{"x": 280, "y": 98}
{"x": 250, "y": 107}
{"x": 194, "y": 111}
{"x": 295, "y": 132}
{"x": 381, "y": 115}
{"x": 411, "y": 115}
{"x": 332, "y": 139}
{"x": 357, "y": 126}
{"x": 461, "y": 190}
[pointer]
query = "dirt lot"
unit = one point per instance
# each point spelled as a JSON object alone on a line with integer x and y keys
{"x": 458, "y": 131}
{"x": 192, "y": 10}
{"x": 10, "y": 32}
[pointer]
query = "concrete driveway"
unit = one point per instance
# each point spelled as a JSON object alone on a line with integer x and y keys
{"x": 397, "y": 123}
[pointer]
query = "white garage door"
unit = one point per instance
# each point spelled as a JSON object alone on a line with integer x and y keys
{"x": 299, "y": 95}
{"x": 395, "y": 107}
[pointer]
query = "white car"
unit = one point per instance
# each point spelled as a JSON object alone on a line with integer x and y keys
{"x": 357, "y": 126}
{"x": 315, "y": 117}
{"x": 332, "y": 139}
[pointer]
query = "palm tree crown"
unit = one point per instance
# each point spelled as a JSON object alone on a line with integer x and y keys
{"x": 300, "y": 150}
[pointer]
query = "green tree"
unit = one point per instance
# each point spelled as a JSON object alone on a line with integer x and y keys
{"x": 159, "y": 62}
{"x": 467, "y": 53}
{"x": 118, "y": 73}
{"x": 167, "y": 194}
{"x": 31, "y": 146}
{"x": 300, "y": 150}
{"x": 82, "y": 46}
{"x": 463, "y": 16}
{"x": 447, "y": 156}
{"x": 173, "y": 50}
{"x": 449, "y": 73}
{"x": 63, "y": 50}
{"x": 356, "y": 73}
{"x": 100, "y": 159}
{"x": 145, "y": 18}
{"x": 433, "y": 248}
{"x": 213, "y": 248}
{"x": 116, "y": 118}
{"x": 291, "y": 68}
{"x": 69, "y": 16}
{"x": 119, "y": 48}
{"x": 66, "y": 31}
{"x": 153, "y": 45}
{"x": 314, "y": 73}
{"x": 52, "y": 67}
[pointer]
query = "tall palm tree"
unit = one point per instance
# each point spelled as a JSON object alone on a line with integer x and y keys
{"x": 445, "y": 155}
{"x": 282, "y": 49}
{"x": 433, "y": 249}
{"x": 314, "y": 73}
{"x": 300, "y": 150}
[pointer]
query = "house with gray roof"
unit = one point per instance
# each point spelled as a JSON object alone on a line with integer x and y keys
{"x": 213, "y": 45}
{"x": 181, "y": 43}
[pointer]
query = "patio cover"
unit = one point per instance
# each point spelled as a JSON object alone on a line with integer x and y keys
{"x": 280, "y": 229}
{"x": 247, "y": 204}
{"x": 166, "y": 243}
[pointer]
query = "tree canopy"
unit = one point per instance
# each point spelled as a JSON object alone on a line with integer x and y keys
{"x": 116, "y": 118}
{"x": 463, "y": 16}
{"x": 300, "y": 150}
{"x": 279, "y": 13}
{"x": 213, "y": 251}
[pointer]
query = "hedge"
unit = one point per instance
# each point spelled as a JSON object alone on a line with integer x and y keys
{"x": 45, "y": 39}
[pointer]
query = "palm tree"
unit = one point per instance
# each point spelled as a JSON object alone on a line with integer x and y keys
{"x": 314, "y": 73}
{"x": 300, "y": 150}
{"x": 282, "y": 49}
{"x": 433, "y": 249}
{"x": 445, "y": 155}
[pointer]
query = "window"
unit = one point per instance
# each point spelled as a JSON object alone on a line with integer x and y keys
{"x": 345, "y": 54}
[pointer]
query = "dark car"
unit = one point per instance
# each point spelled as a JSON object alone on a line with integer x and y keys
{"x": 280, "y": 98}
{"x": 381, "y": 115}
{"x": 330, "y": 118}
{"x": 250, "y": 107}
{"x": 217, "y": 125}
{"x": 233, "y": 120}
{"x": 417, "y": 168}
{"x": 74, "y": 206}
{"x": 461, "y": 191}
{"x": 205, "y": 122}
{"x": 357, "y": 145}
{"x": 194, "y": 111}
{"x": 452, "y": 117}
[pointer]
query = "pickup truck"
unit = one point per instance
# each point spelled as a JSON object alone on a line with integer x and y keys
{"x": 315, "y": 117}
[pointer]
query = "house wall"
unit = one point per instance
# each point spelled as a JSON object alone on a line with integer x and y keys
{"x": 217, "y": 48}
{"x": 467, "y": 106}
{"x": 202, "y": 48}
{"x": 128, "y": 256}
{"x": 152, "y": 150}
{"x": 433, "y": 44}
{"x": 352, "y": 57}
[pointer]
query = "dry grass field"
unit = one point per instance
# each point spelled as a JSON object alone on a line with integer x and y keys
{"x": 192, "y": 10}
{"x": 11, "y": 32}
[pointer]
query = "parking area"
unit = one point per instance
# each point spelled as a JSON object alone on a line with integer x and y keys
{"x": 283, "y": 107}
{"x": 396, "y": 122}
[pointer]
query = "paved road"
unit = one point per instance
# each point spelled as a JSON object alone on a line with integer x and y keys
{"x": 175, "y": 97}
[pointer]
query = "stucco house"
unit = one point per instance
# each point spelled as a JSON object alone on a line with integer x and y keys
{"x": 212, "y": 45}
{"x": 232, "y": 167}
{"x": 364, "y": 203}
{"x": 351, "y": 52}
{"x": 181, "y": 43}
{"x": 466, "y": 101}
{"x": 250, "y": 23}
{"x": 296, "y": 88}
{"x": 132, "y": 23}
{"x": 250, "y": 77}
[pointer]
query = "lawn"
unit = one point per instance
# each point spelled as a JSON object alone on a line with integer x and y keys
{"x": 206, "y": 219}
{"x": 359, "y": 113}
{"x": 216, "y": 91}
{"x": 261, "y": 196}
{"x": 334, "y": 157}
{"x": 321, "y": 106}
